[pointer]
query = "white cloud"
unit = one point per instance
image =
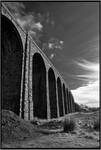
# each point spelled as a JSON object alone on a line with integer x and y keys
{"x": 61, "y": 42}
{"x": 28, "y": 22}
{"x": 88, "y": 94}
{"x": 50, "y": 45}
{"x": 32, "y": 33}
{"x": 87, "y": 65}
{"x": 52, "y": 55}
{"x": 38, "y": 25}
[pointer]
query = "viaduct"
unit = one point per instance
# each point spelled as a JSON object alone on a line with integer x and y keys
{"x": 31, "y": 86}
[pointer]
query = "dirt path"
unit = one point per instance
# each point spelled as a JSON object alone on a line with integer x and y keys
{"x": 60, "y": 140}
{"x": 50, "y": 135}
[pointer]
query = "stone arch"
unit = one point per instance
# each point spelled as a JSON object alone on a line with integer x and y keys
{"x": 52, "y": 93}
{"x": 11, "y": 71}
{"x": 59, "y": 87}
{"x": 39, "y": 87}
{"x": 64, "y": 94}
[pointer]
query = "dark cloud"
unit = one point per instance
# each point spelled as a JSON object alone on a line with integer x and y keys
{"x": 15, "y": 7}
{"x": 30, "y": 21}
{"x": 74, "y": 23}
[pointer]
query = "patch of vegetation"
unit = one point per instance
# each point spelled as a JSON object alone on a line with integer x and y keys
{"x": 88, "y": 137}
{"x": 14, "y": 128}
{"x": 68, "y": 125}
{"x": 53, "y": 124}
{"x": 93, "y": 109}
{"x": 35, "y": 121}
{"x": 96, "y": 125}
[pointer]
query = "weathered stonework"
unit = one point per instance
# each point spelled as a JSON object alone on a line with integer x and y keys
{"x": 26, "y": 93}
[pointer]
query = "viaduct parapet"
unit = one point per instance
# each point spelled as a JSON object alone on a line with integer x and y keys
{"x": 31, "y": 85}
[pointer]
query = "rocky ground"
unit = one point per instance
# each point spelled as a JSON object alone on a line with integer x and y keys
{"x": 18, "y": 133}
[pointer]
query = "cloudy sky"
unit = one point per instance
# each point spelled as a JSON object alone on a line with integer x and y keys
{"x": 76, "y": 26}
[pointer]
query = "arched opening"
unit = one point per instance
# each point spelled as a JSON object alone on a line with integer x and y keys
{"x": 60, "y": 96}
{"x": 72, "y": 99}
{"x": 64, "y": 94}
{"x": 73, "y": 104}
{"x": 11, "y": 56}
{"x": 52, "y": 93}
{"x": 68, "y": 104}
{"x": 39, "y": 87}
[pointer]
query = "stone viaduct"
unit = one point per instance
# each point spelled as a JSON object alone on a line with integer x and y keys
{"x": 31, "y": 86}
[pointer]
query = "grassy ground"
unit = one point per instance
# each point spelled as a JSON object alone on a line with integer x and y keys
{"x": 51, "y": 135}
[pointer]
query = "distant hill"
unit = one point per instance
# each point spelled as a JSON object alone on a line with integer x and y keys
{"x": 85, "y": 108}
